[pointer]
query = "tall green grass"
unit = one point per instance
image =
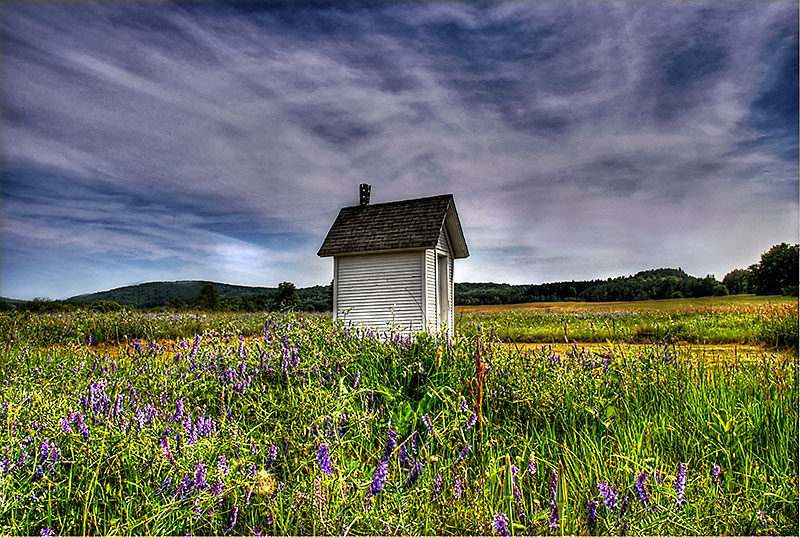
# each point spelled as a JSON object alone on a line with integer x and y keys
{"x": 301, "y": 382}
{"x": 774, "y": 325}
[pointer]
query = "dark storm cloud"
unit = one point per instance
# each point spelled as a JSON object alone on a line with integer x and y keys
{"x": 219, "y": 140}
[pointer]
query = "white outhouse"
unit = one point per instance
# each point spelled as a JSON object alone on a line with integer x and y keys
{"x": 393, "y": 263}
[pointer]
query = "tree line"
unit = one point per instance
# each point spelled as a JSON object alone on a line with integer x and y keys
{"x": 775, "y": 274}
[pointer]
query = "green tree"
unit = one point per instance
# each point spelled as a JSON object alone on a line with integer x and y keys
{"x": 737, "y": 281}
{"x": 287, "y": 298}
{"x": 208, "y": 298}
{"x": 777, "y": 272}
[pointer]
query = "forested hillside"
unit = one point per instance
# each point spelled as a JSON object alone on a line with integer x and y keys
{"x": 776, "y": 273}
{"x": 645, "y": 285}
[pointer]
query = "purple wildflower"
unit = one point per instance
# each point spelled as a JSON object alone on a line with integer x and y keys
{"x": 178, "y": 417}
{"x": 391, "y": 442}
{"x": 414, "y": 474}
{"x": 472, "y": 419}
{"x": 47, "y": 532}
{"x": 437, "y": 485}
{"x": 379, "y": 478}
{"x": 427, "y": 421}
{"x": 641, "y": 490}
{"x": 222, "y": 465}
{"x": 81, "y": 426}
{"x": 324, "y": 460}
{"x": 553, "y": 520}
{"x": 358, "y": 377}
{"x": 680, "y": 484}
{"x": 167, "y": 481}
{"x": 464, "y": 453}
{"x": 609, "y": 495}
{"x": 592, "y": 508}
{"x": 514, "y": 487}
{"x": 234, "y": 516}
{"x": 273, "y": 454}
{"x": 404, "y": 458}
{"x": 217, "y": 491}
{"x": 457, "y": 488}
{"x": 500, "y": 524}
{"x": 165, "y": 449}
{"x": 200, "y": 476}
{"x": 65, "y": 426}
{"x": 715, "y": 474}
{"x": 532, "y": 465}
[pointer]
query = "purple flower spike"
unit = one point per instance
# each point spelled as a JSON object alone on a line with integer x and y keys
{"x": 609, "y": 495}
{"x": 65, "y": 426}
{"x": 234, "y": 516}
{"x": 427, "y": 421}
{"x": 165, "y": 449}
{"x": 500, "y": 524}
{"x": 437, "y": 485}
{"x": 200, "y": 476}
{"x": 457, "y": 488}
{"x": 391, "y": 442}
{"x": 680, "y": 484}
{"x": 514, "y": 487}
{"x": 472, "y": 419}
{"x": 47, "y": 532}
{"x": 358, "y": 377}
{"x": 464, "y": 453}
{"x": 414, "y": 474}
{"x": 592, "y": 508}
{"x": 379, "y": 478}
{"x": 553, "y": 521}
{"x": 324, "y": 460}
{"x": 715, "y": 475}
{"x": 641, "y": 490}
{"x": 222, "y": 465}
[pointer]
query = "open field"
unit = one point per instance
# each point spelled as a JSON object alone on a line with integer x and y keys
{"x": 273, "y": 424}
{"x": 743, "y": 320}
{"x": 675, "y": 305}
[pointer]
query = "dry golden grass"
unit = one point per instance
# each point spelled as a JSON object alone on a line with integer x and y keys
{"x": 676, "y": 305}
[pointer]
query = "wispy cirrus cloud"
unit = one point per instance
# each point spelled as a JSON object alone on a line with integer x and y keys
{"x": 219, "y": 141}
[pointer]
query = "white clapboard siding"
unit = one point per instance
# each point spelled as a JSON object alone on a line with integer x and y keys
{"x": 430, "y": 290}
{"x": 381, "y": 291}
{"x": 451, "y": 295}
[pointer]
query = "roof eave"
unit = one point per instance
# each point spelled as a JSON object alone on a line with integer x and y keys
{"x": 369, "y": 252}
{"x": 454, "y": 231}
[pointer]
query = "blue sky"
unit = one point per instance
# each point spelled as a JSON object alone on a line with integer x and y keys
{"x": 161, "y": 141}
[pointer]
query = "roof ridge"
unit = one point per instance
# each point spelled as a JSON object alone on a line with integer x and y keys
{"x": 400, "y": 201}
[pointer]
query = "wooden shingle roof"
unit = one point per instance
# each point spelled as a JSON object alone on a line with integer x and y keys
{"x": 398, "y": 225}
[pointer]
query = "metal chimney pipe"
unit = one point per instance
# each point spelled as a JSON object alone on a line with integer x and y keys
{"x": 363, "y": 194}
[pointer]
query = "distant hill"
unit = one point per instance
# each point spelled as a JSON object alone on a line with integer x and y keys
{"x": 156, "y": 294}
{"x": 160, "y": 294}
